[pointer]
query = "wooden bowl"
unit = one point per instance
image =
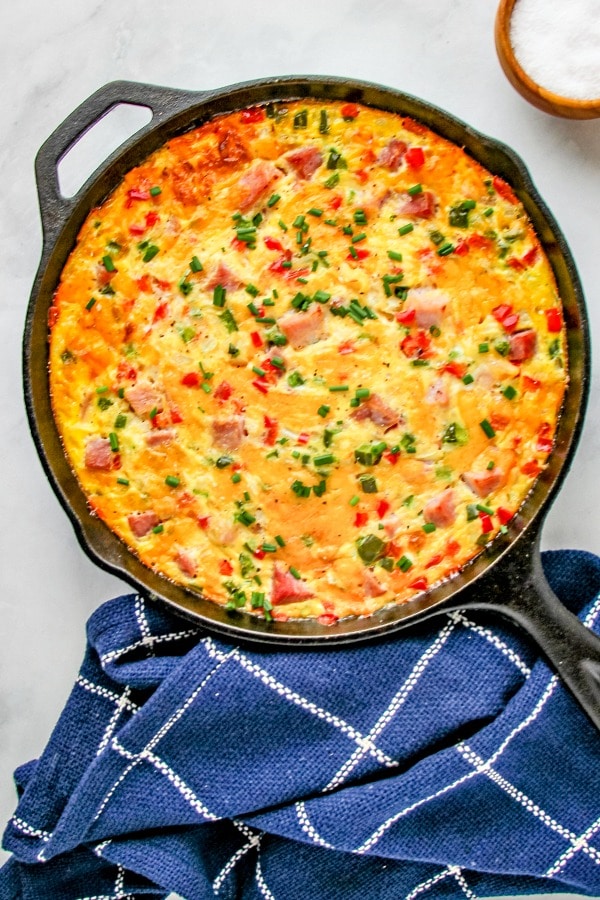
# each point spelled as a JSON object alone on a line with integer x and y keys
{"x": 539, "y": 96}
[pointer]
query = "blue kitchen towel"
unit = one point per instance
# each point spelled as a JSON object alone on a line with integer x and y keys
{"x": 446, "y": 761}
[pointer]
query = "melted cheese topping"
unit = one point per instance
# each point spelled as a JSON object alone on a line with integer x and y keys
{"x": 307, "y": 359}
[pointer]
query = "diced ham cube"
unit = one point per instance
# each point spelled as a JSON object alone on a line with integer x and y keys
{"x": 160, "y": 437}
{"x": 429, "y": 306}
{"x": 223, "y": 275}
{"x": 441, "y": 509}
{"x": 255, "y": 182}
{"x": 143, "y": 397}
{"x": 98, "y": 454}
{"x": 303, "y": 328}
{"x": 484, "y": 483}
{"x": 228, "y": 433}
{"x": 421, "y": 206}
{"x": 372, "y": 587}
{"x": 186, "y": 562}
{"x": 437, "y": 393}
{"x": 286, "y": 588}
{"x": 379, "y": 412}
{"x": 522, "y": 345}
{"x": 392, "y": 155}
{"x": 305, "y": 161}
{"x": 142, "y": 523}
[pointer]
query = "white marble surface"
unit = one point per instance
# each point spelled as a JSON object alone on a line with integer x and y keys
{"x": 56, "y": 54}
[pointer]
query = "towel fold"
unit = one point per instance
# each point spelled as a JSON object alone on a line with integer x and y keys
{"x": 445, "y": 761}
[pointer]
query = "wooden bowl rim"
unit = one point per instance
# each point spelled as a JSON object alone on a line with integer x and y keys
{"x": 544, "y": 99}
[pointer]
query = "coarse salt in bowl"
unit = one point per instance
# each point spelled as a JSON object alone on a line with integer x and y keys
{"x": 550, "y": 52}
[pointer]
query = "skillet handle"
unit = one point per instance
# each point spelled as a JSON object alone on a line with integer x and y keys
{"x": 524, "y": 596}
{"x": 162, "y": 102}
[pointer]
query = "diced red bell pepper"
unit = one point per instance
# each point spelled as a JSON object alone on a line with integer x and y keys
{"x": 191, "y": 379}
{"x": 504, "y": 515}
{"x": 349, "y": 110}
{"x": 414, "y": 157}
{"x": 361, "y": 519}
{"x": 335, "y": 201}
{"x": 261, "y": 386}
{"x": 225, "y": 567}
{"x": 458, "y": 369}
{"x": 434, "y": 561}
{"x": 532, "y": 467}
{"x": 415, "y": 346}
{"x": 406, "y": 316}
{"x": 419, "y": 584}
{"x": 554, "y": 319}
{"x": 303, "y": 437}
{"x": 256, "y": 339}
{"x": 254, "y": 114}
{"x": 382, "y": 508}
{"x": 531, "y": 384}
{"x": 272, "y": 430}
{"x": 203, "y": 522}
{"x": 360, "y": 254}
{"x": 327, "y": 619}
{"x": 273, "y": 244}
{"x": 486, "y": 523}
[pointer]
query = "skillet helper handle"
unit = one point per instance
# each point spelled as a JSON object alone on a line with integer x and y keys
{"x": 161, "y": 101}
{"x": 523, "y": 595}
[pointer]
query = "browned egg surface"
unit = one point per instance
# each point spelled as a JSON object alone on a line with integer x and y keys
{"x": 307, "y": 359}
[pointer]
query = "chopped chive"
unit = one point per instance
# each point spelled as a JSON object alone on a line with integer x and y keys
{"x": 155, "y": 191}
{"x": 258, "y": 371}
{"x": 282, "y": 225}
{"x": 90, "y": 303}
{"x": 252, "y": 290}
{"x": 484, "y": 509}
{"x": 484, "y": 347}
{"x": 509, "y": 392}
{"x": 150, "y": 252}
{"x": 273, "y": 200}
{"x": 406, "y": 229}
{"x": 489, "y": 211}
{"x": 338, "y": 388}
{"x": 228, "y": 321}
{"x": 468, "y": 378}
{"x": 360, "y": 217}
{"x": 322, "y": 296}
{"x": 108, "y": 263}
{"x": 354, "y": 500}
{"x": 153, "y": 412}
{"x": 404, "y": 563}
{"x": 206, "y": 387}
{"x": 487, "y": 428}
{"x": 332, "y": 180}
{"x": 362, "y": 393}
{"x": 114, "y": 441}
{"x": 368, "y": 484}
{"x": 332, "y": 222}
{"x": 313, "y": 211}
{"x": 122, "y": 480}
{"x": 301, "y": 119}
{"x": 280, "y": 540}
{"x": 277, "y": 362}
{"x": 295, "y": 572}
{"x": 172, "y": 481}
{"x": 436, "y": 237}
{"x": 158, "y": 529}
{"x": 415, "y": 189}
{"x": 236, "y": 478}
{"x": 491, "y": 465}
{"x": 392, "y": 254}
{"x": 324, "y": 459}
{"x": 446, "y": 249}
{"x": 323, "y": 411}
{"x": 121, "y": 421}
{"x": 269, "y": 548}
{"x": 428, "y": 527}
{"x": 253, "y": 309}
{"x": 359, "y": 237}
{"x": 323, "y": 122}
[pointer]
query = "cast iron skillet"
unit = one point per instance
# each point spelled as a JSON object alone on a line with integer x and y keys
{"x": 507, "y": 576}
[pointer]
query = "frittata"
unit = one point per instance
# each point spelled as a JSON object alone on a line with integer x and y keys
{"x": 307, "y": 359}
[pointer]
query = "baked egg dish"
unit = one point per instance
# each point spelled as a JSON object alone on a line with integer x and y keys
{"x": 307, "y": 359}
